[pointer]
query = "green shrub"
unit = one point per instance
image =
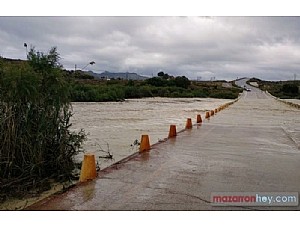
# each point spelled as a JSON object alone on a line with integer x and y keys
{"x": 146, "y": 91}
{"x": 224, "y": 95}
{"x": 290, "y": 88}
{"x": 199, "y": 93}
{"x": 182, "y": 81}
{"x": 36, "y": 142}
{"x": 157, "y": 82}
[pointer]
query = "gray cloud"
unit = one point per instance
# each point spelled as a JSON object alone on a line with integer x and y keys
{"x": 221, "y": 47}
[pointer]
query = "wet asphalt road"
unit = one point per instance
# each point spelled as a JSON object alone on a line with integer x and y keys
{"x": 252, "y": 146}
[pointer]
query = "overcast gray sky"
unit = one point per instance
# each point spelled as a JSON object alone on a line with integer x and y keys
{"x": 220, "y": 47}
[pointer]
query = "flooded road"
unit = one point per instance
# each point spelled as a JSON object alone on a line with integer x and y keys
{"x": 117, "y": 125}
{"x": 253, "y": 146}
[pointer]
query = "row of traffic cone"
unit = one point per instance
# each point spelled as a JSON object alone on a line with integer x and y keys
{"x": 145, "y": 144}
{"x": 88, "y": 169}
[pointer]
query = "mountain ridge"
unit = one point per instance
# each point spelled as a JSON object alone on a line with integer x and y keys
{"x": 121, "y": 75}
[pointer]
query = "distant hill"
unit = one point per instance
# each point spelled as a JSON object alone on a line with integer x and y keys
{"x": 124, "y": 76}
{"x": 12, "y": 60}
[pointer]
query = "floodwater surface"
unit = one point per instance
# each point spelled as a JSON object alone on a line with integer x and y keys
{"x": 116, "y": 126}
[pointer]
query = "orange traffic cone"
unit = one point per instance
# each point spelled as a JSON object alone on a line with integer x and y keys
{"x": 188, "y": 123}
{"x": 172, "y": 131}
{"x": 207, "y": 115}
{"x": 199, "y": 119}
{"x": 88, "y": 168}
{"x": 145, "y": 144}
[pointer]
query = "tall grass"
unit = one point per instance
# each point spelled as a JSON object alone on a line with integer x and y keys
{"x": 36, "y": 144}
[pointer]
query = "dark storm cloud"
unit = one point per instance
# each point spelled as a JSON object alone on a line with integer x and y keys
{"x": 221, "y": 47}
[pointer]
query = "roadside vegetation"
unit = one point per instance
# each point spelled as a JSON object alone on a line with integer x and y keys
{"x": 280, "y": 89}
{"x": 37, "y": 146}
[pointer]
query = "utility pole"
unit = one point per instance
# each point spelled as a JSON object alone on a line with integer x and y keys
{"x": 25, "y": 45}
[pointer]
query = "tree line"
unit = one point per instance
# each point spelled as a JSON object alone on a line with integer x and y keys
{"x": 163, "y": 85}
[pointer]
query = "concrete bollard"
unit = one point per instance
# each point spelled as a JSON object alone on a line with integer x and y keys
{"x": 145, "y": 144}
{"x": 199, "y": 119}
{"x": 188, "y": 124}
{"x": 207, "y": 115}
{"x": 172, "y": 131}
{"x": 88, "y": 168}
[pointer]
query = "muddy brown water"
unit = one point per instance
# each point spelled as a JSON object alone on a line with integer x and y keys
{"x": 116, "y": 126}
